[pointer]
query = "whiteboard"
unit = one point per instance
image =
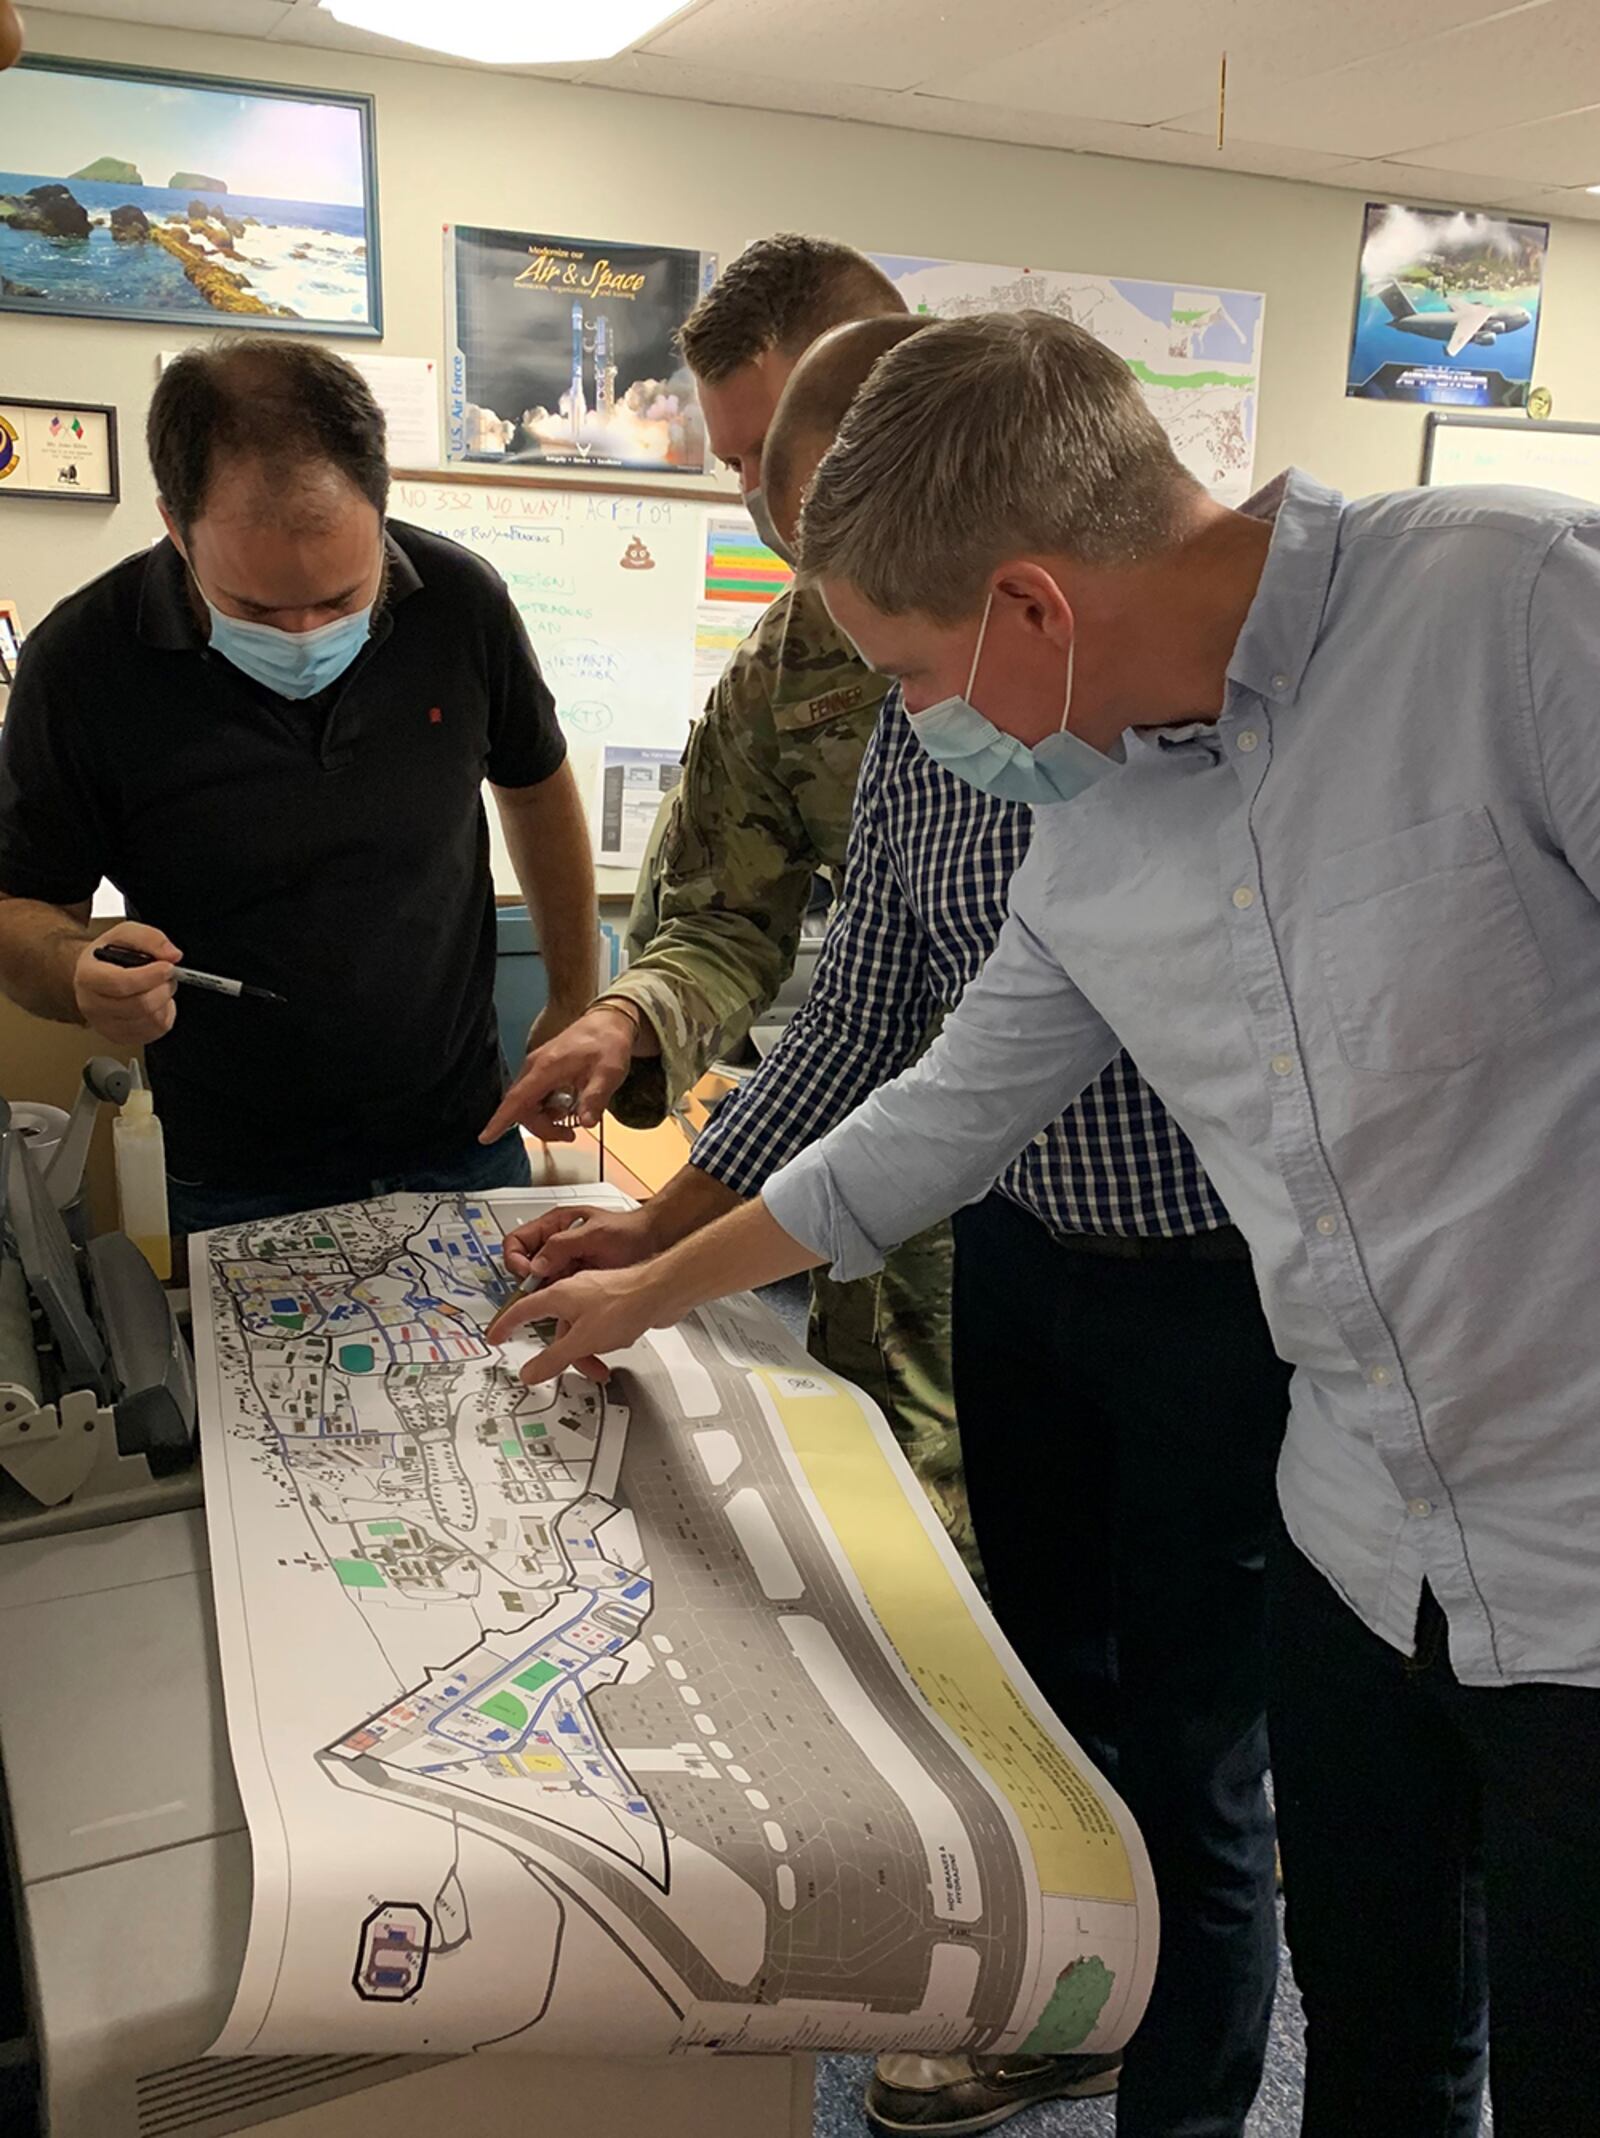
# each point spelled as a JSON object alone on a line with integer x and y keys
{"x": 609, "y": 584}
{"x": 1514, "y": 449}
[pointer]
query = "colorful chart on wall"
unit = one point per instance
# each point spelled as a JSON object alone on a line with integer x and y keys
{"x": 1447, "y": 307}
{"x": 742, "y": 576}
{"x": 1196, "y": 352}
{"x": 563, "y": 351}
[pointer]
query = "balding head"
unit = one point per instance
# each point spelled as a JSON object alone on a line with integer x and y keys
{"x": 269, "y": 456}
{"x": 289, "y": 428}
{"x": 815, "y": 402}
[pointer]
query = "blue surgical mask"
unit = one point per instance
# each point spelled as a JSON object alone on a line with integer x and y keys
{"x": 956, "y": 735}
{"x": 755, "y": 503}
{"x": 295, "y": 664}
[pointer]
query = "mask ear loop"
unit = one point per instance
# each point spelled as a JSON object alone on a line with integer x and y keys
{"x": 977, "y": 651}
{"x": 1066, "y": 710}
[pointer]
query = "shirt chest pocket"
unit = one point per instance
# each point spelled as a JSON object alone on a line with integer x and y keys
{"x": 1426, "y": 950}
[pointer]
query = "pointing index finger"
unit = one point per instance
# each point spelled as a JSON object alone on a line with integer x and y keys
{"x": 560, "y": 1355}
{"x": 526, "y": 1307}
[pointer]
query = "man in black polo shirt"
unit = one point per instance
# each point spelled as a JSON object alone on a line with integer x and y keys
{"x": 271, "y": 732}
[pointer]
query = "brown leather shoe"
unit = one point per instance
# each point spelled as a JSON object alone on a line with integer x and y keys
{"x": 945, "y": 2096}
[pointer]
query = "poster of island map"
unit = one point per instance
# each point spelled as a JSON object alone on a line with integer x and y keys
{"x": 1194, "y": 350}
{"x": 136, "y": 195}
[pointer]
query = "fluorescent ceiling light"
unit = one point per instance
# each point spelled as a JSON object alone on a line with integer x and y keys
{"x": 508, "y": 33}
{"x": 1592, "y": 189}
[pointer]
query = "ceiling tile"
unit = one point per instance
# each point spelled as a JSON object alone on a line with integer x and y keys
{"x": 1544, "y": 203}
{"x": 1563, "y": 200}
{"x": 1259, "y": 159}
{"x": 995, "y": 122}
{"x": 1475, "y": 101}
{"x": 231, "y": 18}
{"x": 649, "y": 74}
{"x": 307, "y": 24}
{"x": 1101, "y": 137}
{"x": 1561, "y": 151}
{"x": 1147, "y": 60}
{"x": 1421, "y": 184}
{"x": 1524, "y": 65}
{"x": 889, "y": 45}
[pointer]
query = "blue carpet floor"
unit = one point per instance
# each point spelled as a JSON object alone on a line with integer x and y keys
{"x": 840, "y": 2080}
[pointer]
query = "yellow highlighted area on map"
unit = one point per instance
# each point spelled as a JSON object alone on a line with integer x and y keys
{"x": 1076, "y": 1848}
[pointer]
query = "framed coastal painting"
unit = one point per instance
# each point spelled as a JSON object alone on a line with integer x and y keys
{"x": 126, "y": 193}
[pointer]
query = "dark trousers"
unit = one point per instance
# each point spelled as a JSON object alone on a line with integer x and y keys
{"x": 1441, "y": 1845}
{"x": 1120, "y": 1421}
{"x": 194, "y": 1207}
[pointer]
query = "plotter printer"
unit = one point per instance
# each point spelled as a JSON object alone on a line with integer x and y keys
{"x": 97, "y": 1404}
{"x": 126, "y": 1893}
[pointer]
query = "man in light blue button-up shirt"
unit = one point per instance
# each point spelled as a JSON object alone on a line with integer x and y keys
{"x": 1338, "y": 898}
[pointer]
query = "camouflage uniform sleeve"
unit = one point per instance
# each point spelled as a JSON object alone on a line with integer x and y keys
{"x": 644, "y": 924}
{"x": 643, "y": 1097}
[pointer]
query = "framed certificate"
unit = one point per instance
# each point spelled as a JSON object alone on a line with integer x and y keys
{"x": 56, "y": 449}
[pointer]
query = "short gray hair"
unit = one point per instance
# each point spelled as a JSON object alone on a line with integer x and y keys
{"x": 1001, "y": 435}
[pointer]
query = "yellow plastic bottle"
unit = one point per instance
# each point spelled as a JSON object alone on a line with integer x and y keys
{"x": 141, "y": 1156}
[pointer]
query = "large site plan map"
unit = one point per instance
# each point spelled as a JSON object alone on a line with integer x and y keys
{"x": 654, "y": 1716}
{"x": 1196, "y": 352}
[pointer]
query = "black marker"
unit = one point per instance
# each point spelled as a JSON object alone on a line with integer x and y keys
{"x": 130, "y": 959}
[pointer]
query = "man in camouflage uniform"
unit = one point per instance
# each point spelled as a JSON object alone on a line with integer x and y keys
{"x": 764, "y": 804}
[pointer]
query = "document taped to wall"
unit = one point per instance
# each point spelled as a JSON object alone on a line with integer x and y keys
{"x": 634, "y": 782}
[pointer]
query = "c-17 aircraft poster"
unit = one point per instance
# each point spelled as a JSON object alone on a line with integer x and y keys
{"x": 654, "y": 1717}
{"x": 1447, "y": 307}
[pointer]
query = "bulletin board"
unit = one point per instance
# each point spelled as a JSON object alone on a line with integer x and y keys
{"x": 625, "y": 595}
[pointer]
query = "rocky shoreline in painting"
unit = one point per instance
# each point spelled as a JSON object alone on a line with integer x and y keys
{"x": 99, "y": 238}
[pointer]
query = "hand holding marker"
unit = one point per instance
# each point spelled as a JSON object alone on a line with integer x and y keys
{"x": 130, "y": 959}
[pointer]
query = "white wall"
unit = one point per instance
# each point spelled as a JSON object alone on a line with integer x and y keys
{"x": 469, "y": 147}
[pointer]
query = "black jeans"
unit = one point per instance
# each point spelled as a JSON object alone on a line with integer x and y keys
{"x": 1120, "y": 1422}
{"x": 1441, "y": 1845}
{"x": 193, "y": 1207}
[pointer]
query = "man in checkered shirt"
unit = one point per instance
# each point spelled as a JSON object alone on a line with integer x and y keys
{"x": 1119, "y": 1400}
